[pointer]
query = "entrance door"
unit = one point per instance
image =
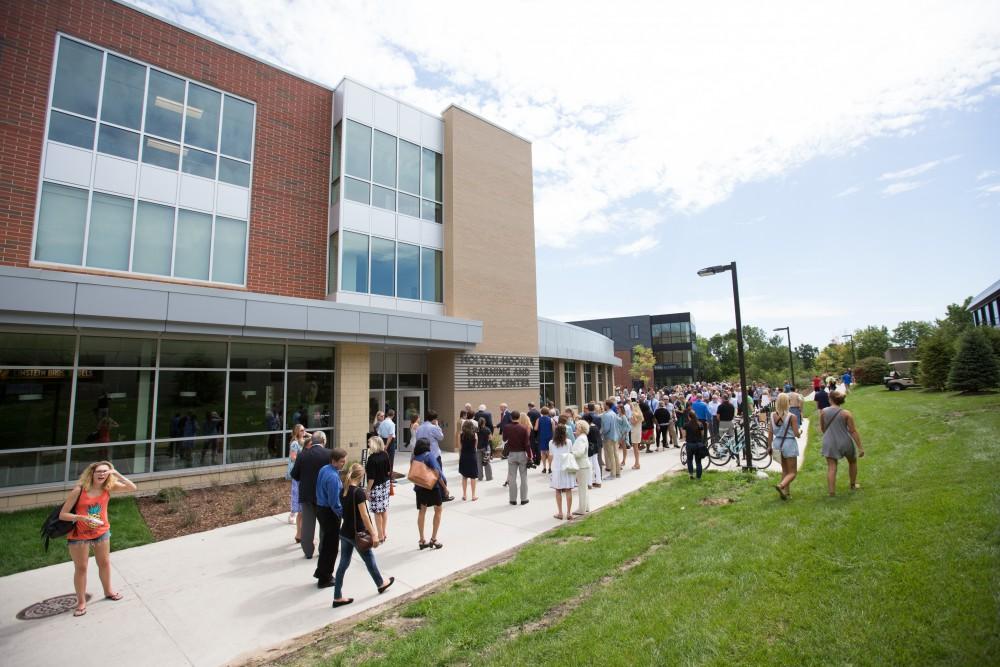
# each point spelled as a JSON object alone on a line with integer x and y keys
{"x": 410, "y": 403}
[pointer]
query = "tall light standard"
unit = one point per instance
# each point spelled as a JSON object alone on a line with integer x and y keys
{"x": 854, "y": 354}
{"x": 744, "y": 408}
{"x": 791, "y": 364}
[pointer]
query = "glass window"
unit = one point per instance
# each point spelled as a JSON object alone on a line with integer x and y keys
{"x": 32, "y": 468}
{"x": 430, "y": 274}
{"x": 310, "y": 399}
{"x": 235, "y": 173}
{"x": 201, "y": 127}
{"x": 127, "y": 459}
{"x": 633, "y": 331}
{"x": 192, "y": 354}
{"x": 307, "y": 357}
{"x": 229, "y": 251}
{"x": 383, "y": 198}
{"x": 161, "y": 153}
{"x": 335, "y": 172}
{"x": 606, "y": 332}
{"x": 108, "y": 351}
{"x": 259, "y": 356}
{"x": 164, "y": 105}
{"x": 431, "y": 211}
{"x": 194, "y": 241}
{"x": 62, "y": 216}
{"x": 384, "y": 159}
{"x": 431, "y": 175}
{"x": 331, "y": 273}
{"x": 569, "y": 380}
{"x": 408, "y": 271}
{"x": 198, "y": 163}
{"x": 383, "y": 266}
{"x": 376, "y": 381}
{"x": 24, "y": 349}
{"x": 154, "y": 239}
{"x": 411, "y": 381}
{"x": 124, "y": 83}
{"x": 71, "y": 130}
{"x": 359, "y": 150}
{"x": 547, "y": 380}
{"x": 237, "y": 128}
{"x": 255, "y": 401}
{"x": 110, "y": 235}
{"x": 409, "y": 205}
{"x": 409, "y": 167}
{"x": 354, "y": 274}
{"x": 255, "y": 447}
{"x": 189, "y": 404}
{"x": 112, "y": 406}
{"x": 34, "y": 407}
{"x": 356, "y": 190}
{"x": 78, "y": 78}
{"x": 118, "y": 142}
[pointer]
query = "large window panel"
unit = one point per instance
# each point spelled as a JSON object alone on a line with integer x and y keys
{"x": 235, "y": 173}
{"x": 409, "y": 205}
{"x": 112, "y": 406}
{"x": 164, "y": 105}
{"x": 309, "y": 357}
{"x": 383, "y": 198}
{"x": 62, "y": 217}
{"x": 192, "y": 354}
{"x": 229, "y": 262}
{"x": 384, "y": 159}
{"x": 71, "y": 130}
{"x": 250, "y": 448}
{"x": 409, "y": 167}
{"x": 431, "y": 211}
{"x": 431, "y": 288}
{"x": 191, "y": 451}
{"x": 356, "y": 190}
{"x": 383, "y": 266}
{"x": 110, "y": 234}
{"x": 194, "y": 240}
{"x": 185, "y": 398}
{"x": 310, "y": 400}
{"x": 408, "y": 272}
{"x": 27, "y": 468}
{"x": 124, "y": 83}
{"x": 257, "y": 356}
{"x": 201, "y": 126}
{"x": 31, "y": 349}
{"x": 332, "y": 263}
{"x": 78, "y": 78}
{"x": 128, "y": 459}
{"x": 256, "y": 401}
{"x": 154, "y": 239}
{"x": 120, "y": 352}
{"x": 198, "y": 163}
{"x": 118, "y": 142}
{"x": 354, "y": 273}
{"x": 237, "y": 128}
{"x": 34, "y": 407}
{"x": 161, "y": 153}
{"x": 431, "y": 172}
{"x": 359, "y": 150}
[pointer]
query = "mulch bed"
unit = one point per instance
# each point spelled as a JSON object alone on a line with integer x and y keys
{"x": 213, "y": 507}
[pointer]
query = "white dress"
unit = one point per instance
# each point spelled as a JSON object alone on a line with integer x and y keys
{"x": 561, "y": 478}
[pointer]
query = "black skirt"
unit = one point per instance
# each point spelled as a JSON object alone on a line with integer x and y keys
{"x": 428, "y": 497}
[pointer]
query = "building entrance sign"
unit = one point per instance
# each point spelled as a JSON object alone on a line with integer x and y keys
{"x": 495, "y": 371}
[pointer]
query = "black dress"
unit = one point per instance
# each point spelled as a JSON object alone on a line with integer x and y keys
{"x": 467, "y": 464}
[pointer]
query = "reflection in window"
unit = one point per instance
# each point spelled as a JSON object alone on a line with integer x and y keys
{"x": 431, "y": 211}
{"x": 27, "y": 468}
{"x": 431, "y": 167}
{"x": 409, "y": 167}
{"x": 257, "y": 356}
{"x": 236, "y": 173}
{"x": 31, "y": 349}
{"x": 34, "y": 407}
{"x": 161, "y": 153}
{"x": 124, "y": 82}
{"x": 359, "y": 150}
{"x": 113, "y": 406}
{"x": 128, "y": 459}
{"x": 164, "y": 105}
{"x": 354, "y": 274}
{"x": 237, "y": 128}
{"x": 309, "y": 357}
{"x": 546, "y": 380}
{"x": 255, "y": 403}
{"x": 569, "y": 379}
{"x": 408, "y": 271}
{"x": 356, "y": 190}
{"x": 310, "y": 400}
{"x": 154, "y": 238}
{"x": 78, "y": 77}
{"x": 110, "y": 233}
{"x": 409, "y": 205}
{"x": 194, "y": 239}
{"x": 62, "y": 216}
{"x": 201, "y": 127}
{"x": 383, "y": 266}
{"x": 431, "y": 288}
{"x": 230, "y": 251}
{"x": 121, "y": 352}
{"x": 186, "y": 402}
{"x": 199, "y": 163}
{"x": 384, "y": 159}
{"x": 118, "y": 142}
{"x": 192, "y": 354}
{"x": 71, "y": 130}
{"x": 383, "y": 198}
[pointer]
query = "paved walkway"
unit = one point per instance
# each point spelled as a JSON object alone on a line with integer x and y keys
{"x": 210, "y": 598}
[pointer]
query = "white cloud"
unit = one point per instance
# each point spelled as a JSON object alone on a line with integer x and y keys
{"x": 637, "y": 247}
{"x": 917, "y": 170}
{"x": 848, "y": 192}
{"x": 988, "y": 173}
{"x": 680, "y": 103}
{"x": 901, "y": 187}
{"x": 990, "y": 188}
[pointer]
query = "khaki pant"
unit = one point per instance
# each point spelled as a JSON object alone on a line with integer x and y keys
{"x": 611, "y": 457}
{"x": 583, "y": 476}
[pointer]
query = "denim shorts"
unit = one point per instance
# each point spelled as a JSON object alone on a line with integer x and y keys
{"x": 103, "y": 538}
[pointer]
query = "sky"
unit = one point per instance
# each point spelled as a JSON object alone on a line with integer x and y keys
{"x": 845, "y": 155}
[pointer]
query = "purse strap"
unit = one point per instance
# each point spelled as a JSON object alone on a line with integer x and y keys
{"x": 357, "y": 515}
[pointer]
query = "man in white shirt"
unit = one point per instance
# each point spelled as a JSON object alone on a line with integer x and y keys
{"x": 387, "y": 431}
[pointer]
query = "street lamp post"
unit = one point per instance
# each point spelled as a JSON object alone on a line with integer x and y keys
{"x": 791, "y": 364}
{"x": 744, "y": 408}
{"x": 854, "y": 354}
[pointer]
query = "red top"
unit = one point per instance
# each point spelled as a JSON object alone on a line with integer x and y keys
{"x": 82, "y": 530}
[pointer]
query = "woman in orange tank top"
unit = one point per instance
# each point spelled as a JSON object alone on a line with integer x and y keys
{"x": 91, "y": 527}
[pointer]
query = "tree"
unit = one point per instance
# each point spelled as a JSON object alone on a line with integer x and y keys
{"x": 871, "y": 370}
{"x": 909, "y": 332}
{"x": 706, "y": 365}
{"x": 957, "y": 319}
{"x": 833, "y": 358}
{"x": 806, "y": 353}
{"x": 974, "y": 367}
{"x": 871, "y": 341}
{"x": 722, "y": 347}
{"x": 642, "y": 363}
{"x": 935, "y": 353}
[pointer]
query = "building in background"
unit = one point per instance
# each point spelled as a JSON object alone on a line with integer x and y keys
{"x": 201, "y": 250}
{"x": 985, "y": 306}
{"x": 671, "y": 337}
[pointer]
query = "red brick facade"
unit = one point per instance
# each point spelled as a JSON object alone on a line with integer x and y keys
{"x": 290, "y": 189}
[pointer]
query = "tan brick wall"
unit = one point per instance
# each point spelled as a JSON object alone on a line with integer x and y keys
{"x": 351, "y": 397}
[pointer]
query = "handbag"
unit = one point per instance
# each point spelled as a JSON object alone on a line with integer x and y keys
{"x": 363, "y": 540}
{"x": 569, "y": 463}
{"x": 422, "y": 475}
{"x": 54, "y": 527}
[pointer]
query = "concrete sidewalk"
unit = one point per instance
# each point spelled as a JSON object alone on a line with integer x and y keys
{"x": 209, "y": 598}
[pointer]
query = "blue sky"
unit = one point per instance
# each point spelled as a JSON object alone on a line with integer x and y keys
{"x": 847, "y": 157}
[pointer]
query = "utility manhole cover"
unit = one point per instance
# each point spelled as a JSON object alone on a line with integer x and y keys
{"x": 51, "y": 607}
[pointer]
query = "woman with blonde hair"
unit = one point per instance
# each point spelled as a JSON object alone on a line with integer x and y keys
{"x": 635, "y": 425}
{"x": 86, "y": 506}
{"x": 581, "y": 449}
{"x": 525, "y": 421}
{"x": 840, "y": 440}
{"x": 781, "y": 436}
{"x": 354, "y": 501}
{"x": 377, "y": 469}
{"x": 294, "y": 447}
{"x": 563, "y": 481}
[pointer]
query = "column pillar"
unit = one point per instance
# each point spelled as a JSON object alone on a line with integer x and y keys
{"x": 351, "y": 397}
{"x": 560, "y": 388}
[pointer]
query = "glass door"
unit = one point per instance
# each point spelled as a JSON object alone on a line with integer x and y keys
{"x": 410, "y": 403}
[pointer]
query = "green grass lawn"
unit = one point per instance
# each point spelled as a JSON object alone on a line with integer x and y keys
{"x": 22, "y": 549}
{"x": 905, "y": 571}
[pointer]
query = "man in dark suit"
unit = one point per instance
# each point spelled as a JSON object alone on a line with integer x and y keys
{"x": 533, "y": 415}
{"x": 305, "y": 471}
{"x": 483, "y": 413}
{"x": 504, "y": 416}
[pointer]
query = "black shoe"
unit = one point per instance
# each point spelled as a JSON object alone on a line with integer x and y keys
{"x": 525, "y": 502}
{"x": 324, "y": 584}
{"x": 513, "y": 502}
{"x": 316, "y": 575}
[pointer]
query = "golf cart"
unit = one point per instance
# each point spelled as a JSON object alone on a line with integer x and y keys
{"x": 901, "y": 375}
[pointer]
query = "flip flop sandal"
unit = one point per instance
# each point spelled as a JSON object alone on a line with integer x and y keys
{"x": 381, "y": 589}
{"x": 79, "y": 612}
{"x": 557, "y": 516}
{"x": 114, "y": 597}
{"x": 341, "y": 603}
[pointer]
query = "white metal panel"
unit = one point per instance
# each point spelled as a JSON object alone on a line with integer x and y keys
{"x": 386, "y": 113}
{"x": 352, "y": 298}
{"x": 116, "y": 175}
{"x": 158, "y": 184}
{"x": 431, "y": 235}
{"x": 378, "y": 301}
{"x": 232, "y": 201}
{"x": 432, "y": 133}
{"x": 198, "y": 193}
{"x": 338, "y": 105}
{"x": 408, "y": 229}
{"x": 408, "y": 305}
{"x": 432, "y": 308}
{"x": 409, "y": 123}
{"x": 358, "y": 102}
{"x": 334, "y": 218}
{"x": 356, "y": 217}
{"x": 68, "y": 164}
{"x": 383, "y": 223}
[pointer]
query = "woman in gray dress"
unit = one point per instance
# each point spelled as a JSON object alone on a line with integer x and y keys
{"x": 840, "y": 440}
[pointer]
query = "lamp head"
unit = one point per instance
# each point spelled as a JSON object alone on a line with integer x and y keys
{"x": 712, "y": 270}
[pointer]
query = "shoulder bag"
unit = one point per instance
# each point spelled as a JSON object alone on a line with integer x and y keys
{"x": 363, "y": 540}
{"x": 569, "y": 463}
{"x": 422, "y": 475}
{"x": 54, "y": 527}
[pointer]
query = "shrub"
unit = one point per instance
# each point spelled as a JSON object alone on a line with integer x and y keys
{"x": 974, "y": 367}
{"x": 871, "y": 370}
{"x": 170, "y": 494}
{"x": 935, "y": 354}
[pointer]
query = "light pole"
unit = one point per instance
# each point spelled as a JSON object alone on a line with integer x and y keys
{"x": 854, "y": 354}
{"x": 744, "y": 408}
{"x": 791, "y": 364}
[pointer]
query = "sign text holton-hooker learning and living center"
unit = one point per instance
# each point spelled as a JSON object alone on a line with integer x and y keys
{"x": 495, "y": 371}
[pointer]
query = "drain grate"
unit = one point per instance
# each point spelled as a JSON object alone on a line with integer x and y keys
{"x": 51, "y": 607}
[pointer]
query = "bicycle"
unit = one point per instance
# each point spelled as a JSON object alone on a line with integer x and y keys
{"x": 731, "y": 446}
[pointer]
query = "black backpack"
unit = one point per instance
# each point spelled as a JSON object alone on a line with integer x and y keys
{"x": 53, "y": 527}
